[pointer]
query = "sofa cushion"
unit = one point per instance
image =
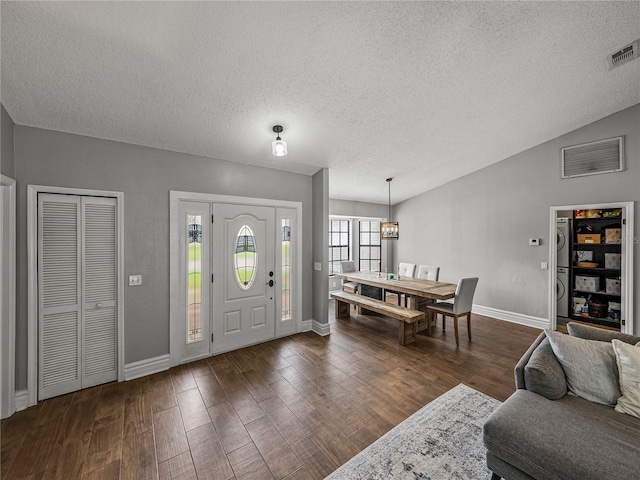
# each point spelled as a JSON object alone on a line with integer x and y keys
{"x": 565, "y": 439}
{"x": 628, "y": 361}
{"x": 589, "y": 365}
{"x": 543, "y": 373}
{"x": 594, "y": 333}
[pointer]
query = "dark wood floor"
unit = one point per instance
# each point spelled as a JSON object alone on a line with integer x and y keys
{"x": 294, "y": 408}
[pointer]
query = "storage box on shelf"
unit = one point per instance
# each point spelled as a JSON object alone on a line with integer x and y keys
{"x": 587, "y": 283}
{"x": 613, "y": 236}
{"x": 612, "y": 260}
{"x": 613, "y": 286}
{"x": 588, "y": 238}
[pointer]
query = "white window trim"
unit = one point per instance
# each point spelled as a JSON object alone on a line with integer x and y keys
{"x": 175, "y": 306}
{"x": 32, "y": 278}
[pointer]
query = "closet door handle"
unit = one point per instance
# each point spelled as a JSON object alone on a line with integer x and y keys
{"x": 98, "y": 305}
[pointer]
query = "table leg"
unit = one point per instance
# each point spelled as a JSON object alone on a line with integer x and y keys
{"x": 342, "y": 309}
{"x": 407, "y": 333}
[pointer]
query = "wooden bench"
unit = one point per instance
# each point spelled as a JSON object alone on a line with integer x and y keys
{"x": 407, "y": 317}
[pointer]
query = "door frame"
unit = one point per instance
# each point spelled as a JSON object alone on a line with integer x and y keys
{"x": 32, "y": 277}
{"x": 627, "y": 264}
{"x": 175, "y": 305}
{"x": 8, "y": 304}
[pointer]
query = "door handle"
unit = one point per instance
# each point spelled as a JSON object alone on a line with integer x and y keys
{"x": 270, "y": 283}
{"x": 98, "y": 305}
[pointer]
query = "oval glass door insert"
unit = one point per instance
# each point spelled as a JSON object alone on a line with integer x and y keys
{"x": 245, "y": 258}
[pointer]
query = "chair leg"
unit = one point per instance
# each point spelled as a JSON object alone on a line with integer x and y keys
{"x": 444, "y": 322}
{"x": 469, "y": 325}
{"x": 495, "y": 476}
{"x": 455, "y": 328}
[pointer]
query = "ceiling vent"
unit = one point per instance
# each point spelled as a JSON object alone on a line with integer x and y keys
{"x": 624, "y": 55}
{"x": 604, "y": 156}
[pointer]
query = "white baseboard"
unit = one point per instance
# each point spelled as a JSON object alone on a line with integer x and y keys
{"x": 147, "y": 367}
{"x": 22, "y": 400}
{"x": 513, "y": 317}
{"x": 321, "y": 329}
{"x": 307, "y": 325}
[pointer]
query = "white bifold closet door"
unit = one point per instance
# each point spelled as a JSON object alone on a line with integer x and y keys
{"x": 77, "y": 316}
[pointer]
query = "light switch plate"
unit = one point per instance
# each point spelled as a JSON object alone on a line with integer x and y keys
{"x": 534, "y": 241}
{"x": 135, "y": 280}
{"x": 317, "y": 266}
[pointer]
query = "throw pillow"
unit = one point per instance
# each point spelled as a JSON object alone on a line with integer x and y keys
{"x": 628, "y": 361}
{"x": 594, "y": 333}
{"x": 589, "y": 365}
{"x": 543, "y": 374}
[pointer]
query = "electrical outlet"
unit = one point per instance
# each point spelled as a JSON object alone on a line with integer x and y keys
{"x": 135, "y": 280}
{"x": 544, "y": 266}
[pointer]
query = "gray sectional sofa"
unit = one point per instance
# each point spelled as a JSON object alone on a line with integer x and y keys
{"x": 544, "y": 431}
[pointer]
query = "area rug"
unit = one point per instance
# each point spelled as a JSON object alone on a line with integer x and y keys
{"x": 442, "y": 440}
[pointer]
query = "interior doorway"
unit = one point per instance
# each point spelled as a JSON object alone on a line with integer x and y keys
{"x": 591, "y": 265}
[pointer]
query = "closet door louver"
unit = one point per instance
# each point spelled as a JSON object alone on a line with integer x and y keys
{"x": 77, "y": 293}
{"x": 60, "y": 294}
{"x": 99, "y": 287}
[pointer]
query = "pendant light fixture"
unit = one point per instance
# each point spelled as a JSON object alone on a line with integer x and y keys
{"x": 279, "y": 146}
{"x": 389, "y": 230}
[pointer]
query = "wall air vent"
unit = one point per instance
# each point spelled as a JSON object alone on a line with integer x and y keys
{"x": 624, "y": 55}
{"x": 604, "y": 156}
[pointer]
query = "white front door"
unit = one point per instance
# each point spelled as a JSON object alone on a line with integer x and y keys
{"x": 244, "y": 275}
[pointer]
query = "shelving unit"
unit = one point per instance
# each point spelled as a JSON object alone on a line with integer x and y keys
{"x": 604, "y": 250}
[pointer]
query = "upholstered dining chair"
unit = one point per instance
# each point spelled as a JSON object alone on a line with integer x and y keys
{"x": 348, "y": 267}
{"x": 461, "y": 306}
{"x": 404, "y": 270}
{"x": 428, "y": 272}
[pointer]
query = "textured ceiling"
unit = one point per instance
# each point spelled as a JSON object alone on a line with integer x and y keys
{"x": 424, "y": 92}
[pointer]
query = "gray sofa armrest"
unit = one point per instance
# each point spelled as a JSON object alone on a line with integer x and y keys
{"x": 518, "y": 371}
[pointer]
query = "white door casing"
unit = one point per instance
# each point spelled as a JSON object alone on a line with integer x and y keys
{"x": 33, "y": 280}
{"x": 7, "y": 295}
{"x": 243, "y": 308}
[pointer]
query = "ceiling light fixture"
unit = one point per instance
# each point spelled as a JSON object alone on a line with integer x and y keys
{"x": 279, "y": 146}
{"x": 389, "y": 230}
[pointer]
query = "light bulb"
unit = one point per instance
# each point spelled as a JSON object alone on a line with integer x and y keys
{"x": 279, "y": 148}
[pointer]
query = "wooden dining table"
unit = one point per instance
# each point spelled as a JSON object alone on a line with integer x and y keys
{"x": 414, "y": 288}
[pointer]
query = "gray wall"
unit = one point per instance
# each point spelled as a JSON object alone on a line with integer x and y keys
{"x": 145, "y": 175}
{"x": 357, "y": 209}
{"x": 479, "y": 225}
{"x": 321, "y": 245}
{"x": 6, "y": 144}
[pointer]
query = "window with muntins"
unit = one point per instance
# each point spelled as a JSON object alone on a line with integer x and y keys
{"x": 339, "y": 242}
{"x": 370, "y": 246}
